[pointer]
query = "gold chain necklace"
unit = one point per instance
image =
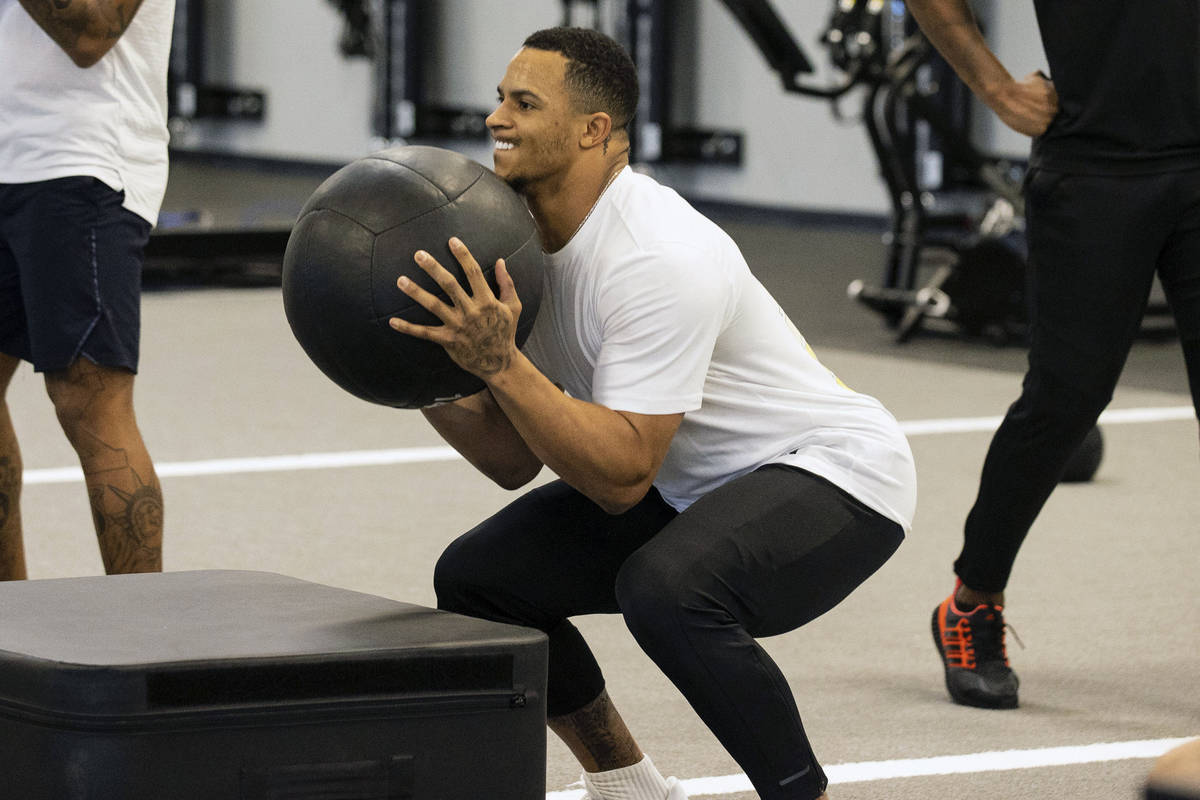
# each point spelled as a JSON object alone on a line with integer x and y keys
{"x": 588, "y": 215}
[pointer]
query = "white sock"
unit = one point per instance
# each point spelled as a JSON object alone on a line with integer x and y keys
{"x": 642, "y": 781}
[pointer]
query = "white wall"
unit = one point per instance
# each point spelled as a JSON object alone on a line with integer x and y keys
{"x": 318, "y": 104}
{"x": 795, "y": 154}
{"x": 1012, "y": 30}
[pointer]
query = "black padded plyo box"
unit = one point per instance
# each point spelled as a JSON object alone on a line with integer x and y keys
{"x": 232, "y": 685}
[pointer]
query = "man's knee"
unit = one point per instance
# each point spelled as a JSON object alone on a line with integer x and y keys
{"x": 447, "y": 578}
{"x": 460, "y": 576}
{"x": 88, "y": 395}
{"x": 652, "y": 597}
{"x": 1050, "y": 402}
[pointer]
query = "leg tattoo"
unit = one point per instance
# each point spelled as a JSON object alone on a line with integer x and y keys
{"x": 597, "y": 736}
{"x": 94, "y": 406}
{"x": 129, "y": 525}
{"x": 127, "y": 510}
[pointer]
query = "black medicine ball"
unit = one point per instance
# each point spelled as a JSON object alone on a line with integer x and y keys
{"x": 1086, "y": 459}
{"x": 357, "y": 234}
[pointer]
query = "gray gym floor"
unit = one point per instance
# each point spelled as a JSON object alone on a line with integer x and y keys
{"x": 1104, "y": 597}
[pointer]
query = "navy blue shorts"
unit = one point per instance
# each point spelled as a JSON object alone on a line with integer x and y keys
{"x": 70, "y": 274}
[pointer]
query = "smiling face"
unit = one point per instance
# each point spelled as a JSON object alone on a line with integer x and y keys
{"x": 535, "y": 126}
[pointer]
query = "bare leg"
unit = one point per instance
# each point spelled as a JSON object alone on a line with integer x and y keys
{"x": 12, "y": 545}
{"x": 95, "y": 407}
{"x": 967, "y": 598}
{"x": 597, "y": 736}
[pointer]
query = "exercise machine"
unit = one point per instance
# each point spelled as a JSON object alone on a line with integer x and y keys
{"x": 956, "y": 250}
{"x": 957, "y": 254}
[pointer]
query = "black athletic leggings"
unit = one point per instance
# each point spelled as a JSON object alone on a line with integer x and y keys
{"x": 1096, "y": 243}
{"x": 762, "y": 555}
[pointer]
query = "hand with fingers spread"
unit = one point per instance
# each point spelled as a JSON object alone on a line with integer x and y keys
{"x": 478, "y": 329}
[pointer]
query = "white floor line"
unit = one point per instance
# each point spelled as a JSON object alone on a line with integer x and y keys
{"x": 1116, "y": 416}
{"x": 732, "y": 784}
{"x": 415, "y": 455}
{"x": 231, "y": 466}
{"x": 993, "y": 761}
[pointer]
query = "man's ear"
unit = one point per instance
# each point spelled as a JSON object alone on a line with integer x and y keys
{"x": 599, "y": 128}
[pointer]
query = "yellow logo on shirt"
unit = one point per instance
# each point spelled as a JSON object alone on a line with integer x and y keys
{"x": 811, "y": 353}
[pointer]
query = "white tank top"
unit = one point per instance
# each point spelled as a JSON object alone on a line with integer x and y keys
{"x": 108, "y": 121}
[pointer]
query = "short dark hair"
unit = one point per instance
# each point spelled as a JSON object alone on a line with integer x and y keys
{"x": 600, "y": 74}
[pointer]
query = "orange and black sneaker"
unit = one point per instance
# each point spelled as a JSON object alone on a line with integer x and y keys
{"x": 974, "y": 656}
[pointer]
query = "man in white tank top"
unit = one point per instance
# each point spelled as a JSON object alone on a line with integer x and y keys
{"x": 718, "y": 483}
{"x": 83, "y": 169}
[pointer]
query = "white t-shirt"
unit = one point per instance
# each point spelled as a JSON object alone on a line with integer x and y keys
{"x": 108, "y": 121}
{"x": 651, "y": 308}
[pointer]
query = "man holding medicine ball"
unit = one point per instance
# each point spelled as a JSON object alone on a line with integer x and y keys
{"x": 716, "y": 482}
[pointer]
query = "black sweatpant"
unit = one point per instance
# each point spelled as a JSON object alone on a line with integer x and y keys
{"x": 1096, "y": 243}
{"x": 759, "y": 556}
